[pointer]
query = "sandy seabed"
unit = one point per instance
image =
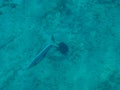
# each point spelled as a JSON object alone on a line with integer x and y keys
{"x": 90, "y": 29}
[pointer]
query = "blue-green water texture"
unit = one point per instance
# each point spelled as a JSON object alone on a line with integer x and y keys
{"x": 59, "y": 44}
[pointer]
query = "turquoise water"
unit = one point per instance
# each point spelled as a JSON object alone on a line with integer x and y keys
{"x": 85, "y": 39}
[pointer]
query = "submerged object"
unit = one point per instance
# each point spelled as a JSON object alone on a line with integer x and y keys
{"x": 63, "y": 48}
{"x": 40, "y": 56}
